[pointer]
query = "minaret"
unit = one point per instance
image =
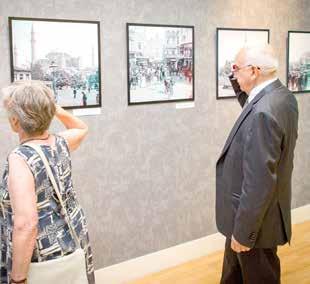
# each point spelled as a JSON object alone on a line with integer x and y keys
{"x": 33, "y": 46}
{"x": 15, "y": 56}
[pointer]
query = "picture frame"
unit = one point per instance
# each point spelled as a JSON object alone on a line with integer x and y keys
{"x": 228, "y": 42}
{"x": 64, "y": 54}
{"x": 160, "y": 63}
{"x": 298, "y": 61}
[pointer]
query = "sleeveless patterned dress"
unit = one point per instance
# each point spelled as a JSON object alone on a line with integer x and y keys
{"x": 54, "y": 239}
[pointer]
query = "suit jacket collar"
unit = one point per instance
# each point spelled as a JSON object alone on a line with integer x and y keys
{"x": 269, "y": 88}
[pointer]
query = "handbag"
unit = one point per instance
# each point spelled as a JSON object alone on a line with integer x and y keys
{"x": 68, "y": 269}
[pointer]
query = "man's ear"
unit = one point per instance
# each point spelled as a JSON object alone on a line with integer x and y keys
{"x": 256, "y": 71}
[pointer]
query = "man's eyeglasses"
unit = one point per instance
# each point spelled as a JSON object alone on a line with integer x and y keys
{"x": 235, "y": 68}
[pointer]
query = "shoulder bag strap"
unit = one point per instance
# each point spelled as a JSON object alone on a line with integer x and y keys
{"x": 41, "y": 154}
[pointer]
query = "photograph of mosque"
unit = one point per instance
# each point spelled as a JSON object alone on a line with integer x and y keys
{"x": 229, "y": 42}
{"x": 63, "y": 54}
{"x": 160, "y": 63}
{"x": 298, "y": 75}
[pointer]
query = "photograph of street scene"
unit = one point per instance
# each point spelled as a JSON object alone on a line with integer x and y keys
{"x": 298, "y": 77}
{"x": 62, "y": 54}
{"x": 160, "y": 63}
{"x": 229, "y": 42}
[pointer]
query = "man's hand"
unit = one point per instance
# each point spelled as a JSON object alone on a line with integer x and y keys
{"x": 237, "y": 247}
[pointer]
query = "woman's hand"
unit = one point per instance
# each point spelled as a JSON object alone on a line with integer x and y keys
{"x": 58, "y": 109}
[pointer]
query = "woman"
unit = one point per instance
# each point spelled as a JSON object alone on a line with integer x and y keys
{"x": 39, "y": 231}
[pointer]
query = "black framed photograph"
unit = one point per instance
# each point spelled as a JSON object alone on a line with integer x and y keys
{"x": 64, "y": 54}
{"x": 229, "y": 42}
{"x": 160, "y": 63}
{"x": 298, "y": 61}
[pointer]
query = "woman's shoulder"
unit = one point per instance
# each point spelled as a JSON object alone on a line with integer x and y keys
{"x": 23, "y": 151}
{"x": 26, "y": 154}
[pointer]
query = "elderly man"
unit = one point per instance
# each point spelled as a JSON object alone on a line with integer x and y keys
{"x": 253, "y": 172}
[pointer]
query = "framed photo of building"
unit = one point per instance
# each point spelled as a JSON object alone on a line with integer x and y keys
{"x": 298, "y": 61}
{"x": 160, "y": 63}
{"x": 64, "y": 54}
{"x": 229, "y": 42}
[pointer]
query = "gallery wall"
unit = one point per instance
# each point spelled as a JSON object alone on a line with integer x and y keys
{"x": 146, "y": 174}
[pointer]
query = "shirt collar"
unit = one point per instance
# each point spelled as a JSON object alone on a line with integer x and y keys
{"x": 258, "y": 88}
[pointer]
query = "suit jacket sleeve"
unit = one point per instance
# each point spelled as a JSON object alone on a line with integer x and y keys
{"x": 261, "y": 156}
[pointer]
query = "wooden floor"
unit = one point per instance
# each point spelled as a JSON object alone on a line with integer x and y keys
{"x": 295, "y": 265}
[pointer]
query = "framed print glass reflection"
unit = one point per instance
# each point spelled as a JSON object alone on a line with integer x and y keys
{"x": 298, "y": 61}
{"x": 229, "y": 42}
{"x": 64, "y": 54}
{"x": 160, "y": 63}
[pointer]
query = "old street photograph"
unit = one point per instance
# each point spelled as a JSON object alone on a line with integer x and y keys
{"x": 160, "y": 63}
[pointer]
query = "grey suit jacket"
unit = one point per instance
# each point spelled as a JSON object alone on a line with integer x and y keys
{"x": 253, "y": 172}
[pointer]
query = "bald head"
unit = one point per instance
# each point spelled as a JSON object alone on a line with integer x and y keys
{"x": 255, "y": 65}
{"x": 259, "y": 56}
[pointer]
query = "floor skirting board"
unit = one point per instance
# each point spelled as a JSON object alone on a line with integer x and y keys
{"x": 138, "y": 267}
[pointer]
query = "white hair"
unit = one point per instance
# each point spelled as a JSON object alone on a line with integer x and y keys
{"x": 261, "y": 56}
{"x": 32, "y": 103}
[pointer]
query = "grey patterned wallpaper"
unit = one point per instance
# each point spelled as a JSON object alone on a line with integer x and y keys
{"x": 146, "y": 174}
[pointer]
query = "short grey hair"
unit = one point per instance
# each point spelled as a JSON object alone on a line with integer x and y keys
{"x": 32, "y": 102}
{"x": 261, "y": 56}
